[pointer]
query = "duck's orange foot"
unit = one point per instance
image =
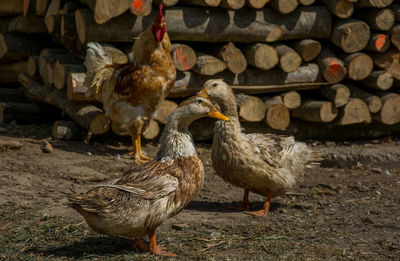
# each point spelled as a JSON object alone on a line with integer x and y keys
{"x": 257, "y": 213}
{"x": 159, "y": 250}
{"x": 140, "y": 245}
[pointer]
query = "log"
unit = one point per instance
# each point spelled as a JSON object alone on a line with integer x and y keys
{"x": 257, "y": 4}
{"x": 208, "y": 65}
{"x": 340, "y": 8}
{"x": 251, "y": 108}
{"x": 67, "y": 130}
{"x": 350, "y": 35}
{"x": 379, "y": 80}
{"x": 377, "y": 19}
{"x": 62, "y": 68}
{"x": 252, "y": 81}
{"x": 354, "y": 112}
{"x": 47, "y": 60}
{"x": 260, "y": 55}
{"x": 284, "y": 6}
{"x": 378, "y": 43}
{"x": 12, "y": 95}
{"x": 54, "y": 7}
{"x": 87, "y": 116}
{"x": 233, "y": 57}
{"x": 359, "y": 65}
{"x": 332, "y": 69}
{"x": 389, "y": 61}
{"x": 183, "y": 57}
{"x": 338, "y": 93}
{"x": 316, "y": 111}
{"x": 70, "y": 7}
{"x": 29, "y": 7}
{"x": 306, "y": 2}
{"x": 207, "y": 3}
{"x": 32, "y": 65}
{"x": 166, "y": 3}
{"x": 41, "y": 7}
{"x": 67, "y": 26}
{"x": 117, "y": 56}
{"x": 396, "y": 11}
{"x": 14, "y": 47}
{"x": 30, "y": 24}
{"x": 373, "y": 102}
{"x": 276, "y": 114}
{"x": 164, "y": 110}
{"x": 76, "y": 88}
{"x": 289, "y": 60}
{"x": 291, "y": 99}
{"x": 52, "y": 22}
{"x": 105, "y": 10}
{"x": 308, "y": 49}
{"x": 9, "y": 71}
{"x": 373, "y": 3}
{"x": 151, "y": 132}
{"x": 390, "y": 112}
{"x": 69, "y": 36}
{"x": 395, "y": 36}
{"x": 232, "y": 4}
{"x": 8, "y": 8}
{"x": 25, "y": 113}
{"x": 141, "y": 7}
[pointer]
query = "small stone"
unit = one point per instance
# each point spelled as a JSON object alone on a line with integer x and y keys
{"x": 378, "y": 192}
{"x": 179, "y": 226}
{"x": 44, "y": 217}
{"x": 387, "y": 172}
{"x": 118, "y": 157}
{"x": 88, "y": 153}
{"x": 215, "y": 235}
{"x": 377, "y": 170}
{"x": 47, "y": 147}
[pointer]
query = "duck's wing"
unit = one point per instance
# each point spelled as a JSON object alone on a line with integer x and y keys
{"x": 148, "y": 181}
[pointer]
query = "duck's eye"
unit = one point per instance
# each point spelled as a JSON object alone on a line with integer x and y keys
{"x": 199, "y": 101}
{"x": 215, "y": 85}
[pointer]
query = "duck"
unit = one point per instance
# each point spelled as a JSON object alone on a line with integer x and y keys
{"x": 136, "y": 203}
{"x": 265, "y": 164}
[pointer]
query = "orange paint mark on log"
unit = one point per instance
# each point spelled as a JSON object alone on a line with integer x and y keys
{"x": 138, "y": 5}
{"x": 380, "y": 42}
{"x": 182, "y": 58}
{"x": 335, "y": 68}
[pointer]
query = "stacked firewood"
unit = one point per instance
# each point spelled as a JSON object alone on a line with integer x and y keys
{"x": 325, "y": 64}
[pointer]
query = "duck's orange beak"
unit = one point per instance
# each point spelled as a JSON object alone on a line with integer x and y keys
{"x": 217, "y": 115}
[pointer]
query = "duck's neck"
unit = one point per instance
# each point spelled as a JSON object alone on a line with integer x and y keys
{"x": 176, "y": 141}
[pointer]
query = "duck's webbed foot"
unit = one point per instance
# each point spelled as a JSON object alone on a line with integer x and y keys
{"x": 154, "y": 248}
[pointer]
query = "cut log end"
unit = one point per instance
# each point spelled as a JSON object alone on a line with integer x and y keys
{"x": 100, "y": 124}
{"x": 390, "y": 111}
{"x": 277, "y": 117}
{"x": 152, "y": 130}
{"x": 355, "y": 111}
{"x": 183, "y": 57}
{"x": 251, "y": 108}
{"x": 164, "y": 110}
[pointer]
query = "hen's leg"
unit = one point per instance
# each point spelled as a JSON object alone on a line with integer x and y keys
{"x": 265, "y": 209}
{"x": 140, "y": 245}
{"x": 139, "y": 152}
{"x": 154, "y": 248}
{"x": 135, "y": 131}
{"x": 245, "y": 203}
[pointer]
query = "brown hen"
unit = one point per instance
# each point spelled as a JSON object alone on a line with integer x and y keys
{"x": 131, "y": 93}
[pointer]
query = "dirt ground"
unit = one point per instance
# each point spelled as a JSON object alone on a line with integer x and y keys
{"x": 347, "y": 209}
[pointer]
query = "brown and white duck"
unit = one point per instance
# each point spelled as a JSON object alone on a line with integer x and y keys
{"x": 135, "y": 204}
{"x": 265, "y": 164}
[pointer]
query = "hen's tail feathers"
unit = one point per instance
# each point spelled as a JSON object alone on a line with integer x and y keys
{"x": 97, "y": 63}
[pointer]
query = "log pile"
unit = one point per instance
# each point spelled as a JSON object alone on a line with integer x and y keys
{"x": 293, "y": 63}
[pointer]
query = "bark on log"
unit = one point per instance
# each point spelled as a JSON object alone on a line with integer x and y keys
{"x": 260, "y": 55}
{"x": 29, "y": 7}
{"x": 208, "y": 65}
{"x": 377, "y": 19}
{"x": 8, "y": 8}
{"x": 276, "y": 114}
{"x": 289, "y": 60}
{"x": 233, "y": 57}
{"x": 14, "y": 47}
{"x": 389, "y": 61}
{"x": 338, "y": 93}
{"x": 390, "y": 112}
{"x": 76, "y": 88}
{"x": 207, "y": 3}
{"x": 232, "y": 4}
{"x": 308, "y": 49}
{"x": 373, "y": 3}
{"x": 183, "y": 57}
{"x": 340, "y": 8}
{"x": 350, "y": 35}
{"x": 332, "y": 69}
{"x": 373, "y": 102}
{"x": 67, "y": 130}
{"x": 291, "y": 99}
{"x": 141, "y": 7}
{"x": 252, "y": 81}
{"x": 47, "y": 60}
{"x": 55, "y": 6}
{"x": 25, "y": 113}
{"x": 12, "y": 95}
{"x": 306, "y": 2}
{"x": 30, "y": 24}
{"x": 61, "y": 70}
{"x": 316, "y": 111}
{"x": 32, "y": 65}
{"x": 70, "y": 7}
{"x": 354, "y": 112}
{"x": 251, "y": 108}
{"x": 164, "y": 110}
{"x": 87, "y": 116}
{"x": 41, "y": 7}
{"x": 379, "y": 80}
{"x": 284, "y": 6}
{"x": 378, "y": 43}
{"x": 257, "y": 4}
{"x": 395, "y": 36}
{"x": 359, "y": 65}
{"x": 396, "y": 11}
{"x": 9, "y": 71}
